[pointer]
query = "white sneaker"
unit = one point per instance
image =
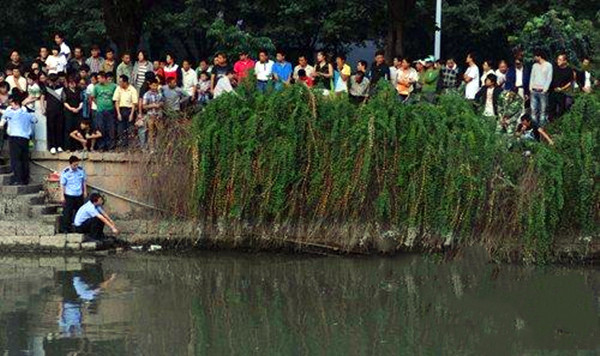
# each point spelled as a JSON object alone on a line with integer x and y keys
{"x": 60, "y": 150}
{"x": 53, "y": 150}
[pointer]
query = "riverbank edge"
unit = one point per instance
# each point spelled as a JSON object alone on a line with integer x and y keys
{"x": 315, "y": 238}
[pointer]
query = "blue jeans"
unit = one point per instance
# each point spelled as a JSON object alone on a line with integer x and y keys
{"x": 539, "y": 108}
{"x": 262, "y": 85}
{"x": 106, "y": 124}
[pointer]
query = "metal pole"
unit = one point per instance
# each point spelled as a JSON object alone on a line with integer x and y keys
{"x": 438, "y": 29}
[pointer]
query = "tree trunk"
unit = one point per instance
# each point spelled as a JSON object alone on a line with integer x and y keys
{"x": 399, "y": 11}
{"x": 123, "y": 21}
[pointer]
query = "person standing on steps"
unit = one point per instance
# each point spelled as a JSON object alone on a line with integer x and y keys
{"x": 91, "y": 218}
{"x": 20, "y": 127}
{"x": 74, "y": 189}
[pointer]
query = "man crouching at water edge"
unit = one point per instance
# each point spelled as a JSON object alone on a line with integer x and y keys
{"x": 91, "y": 218}
{"x": 74, "y": 188}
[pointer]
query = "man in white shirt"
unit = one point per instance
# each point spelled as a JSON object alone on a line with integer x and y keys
{"x": 501, "y": 73}
{"x": 586, "y": 76}
{"x": 263, "y": 69}
{"x": 303, "y": 64}
{"x": 539, "y": 84}
{"x": 189, "y": 79}
{"x": 224, "y": 85}
{"x": 16, "y": 80}
{"x": 65, "y": 50}
{"x": 471, "y": 77}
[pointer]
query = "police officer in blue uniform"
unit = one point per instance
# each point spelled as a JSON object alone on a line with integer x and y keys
{"x": 91, "y": 219}
{"x": 20, "y": 127}
{"x": 74, "y": 188}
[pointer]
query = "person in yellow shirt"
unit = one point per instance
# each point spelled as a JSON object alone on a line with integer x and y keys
{"x": 126, "y": 101}
{"x": 341, "y": 75}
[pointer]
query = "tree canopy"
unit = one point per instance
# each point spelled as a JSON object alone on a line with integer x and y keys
{"x": 182, "y": 26}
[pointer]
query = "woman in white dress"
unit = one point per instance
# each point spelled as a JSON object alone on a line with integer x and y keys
{"x": 35, "y": 103}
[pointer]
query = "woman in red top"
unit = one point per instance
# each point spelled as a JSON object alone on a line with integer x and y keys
{"x": 172, "y": 70}
{"x": 159, "y": 71}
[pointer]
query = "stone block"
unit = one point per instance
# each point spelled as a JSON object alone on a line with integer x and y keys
{"x": 29, "y": 228}
{"x": 54, "y": 241}
{"x": 88, "y": 260}
{"x": 27, "y": 240}
{"x": 72, "y": 259}
{"x": 7, "y": 228}
{"x": 73, "y": 267}
{"x": 21, "y": 189}
{"x": 89, "y": 246}
{"x": 73, "y": 246}
{"x": 74, "y": 238}
{"x": 8, "y": 240}
{"x": 52, "y": 262}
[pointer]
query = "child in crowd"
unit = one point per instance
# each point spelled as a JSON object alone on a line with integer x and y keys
{"x": 305, "y": 79}
{"x": 159, "y": 71}
{"x": 203, "y": 88}
{"x": 89, "y": 91}
{"x": 153, "y": 103}
{"x": 86, "y": 135}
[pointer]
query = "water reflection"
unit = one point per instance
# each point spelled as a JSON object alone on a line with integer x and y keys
{"x": 80, "y": 294}
{"x": 217, "y": 303}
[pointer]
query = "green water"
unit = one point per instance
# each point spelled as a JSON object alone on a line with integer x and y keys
{"x": 248, "y": 304}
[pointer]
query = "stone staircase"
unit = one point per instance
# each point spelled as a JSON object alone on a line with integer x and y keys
{"x": 29, "y": 221}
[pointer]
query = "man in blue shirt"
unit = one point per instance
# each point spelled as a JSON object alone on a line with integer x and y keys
{"x": 20, "y": 125}
{"x": 73, "y": 183}
{"x": 282, "y": 71}
{"x": 91, "y": 218}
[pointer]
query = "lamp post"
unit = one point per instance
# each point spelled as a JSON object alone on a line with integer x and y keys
{"x": 438, "y": 29}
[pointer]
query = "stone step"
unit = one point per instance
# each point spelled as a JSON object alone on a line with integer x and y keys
{"x": 51, "y": 219}
{"x": 5, "y": 168}
{"x": 39, "y": 210}
{"x": 26, "y": 228}
{"x": 33, "y": 199}
{"x": 5, "y": 178}
{"x": 21, "y": 189}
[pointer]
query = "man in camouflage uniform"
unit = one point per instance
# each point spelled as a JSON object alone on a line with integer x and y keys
{"x": 510, "y": 109}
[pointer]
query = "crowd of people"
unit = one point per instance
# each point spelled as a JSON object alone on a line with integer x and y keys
{"x": 65, "y": 101}
{"x": 74, "y": 102}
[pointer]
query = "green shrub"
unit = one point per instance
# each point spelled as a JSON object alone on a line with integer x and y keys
{"x": 439, "y": 170}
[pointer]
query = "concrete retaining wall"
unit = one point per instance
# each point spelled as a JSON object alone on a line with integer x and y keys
{"x": 120, "y": 173}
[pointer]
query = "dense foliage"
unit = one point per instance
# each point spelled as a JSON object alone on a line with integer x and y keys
{"x": 232, "y": 40}
{"x": 556, "y": 33}
{"x": 182, "y": 26}
{"x": 430, "y": 172}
